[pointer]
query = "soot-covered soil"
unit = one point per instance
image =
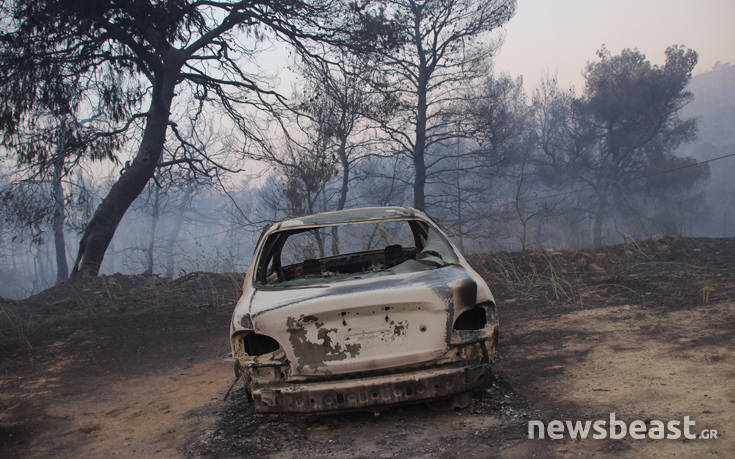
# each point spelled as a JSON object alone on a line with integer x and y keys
{"x": 133, "y": 365}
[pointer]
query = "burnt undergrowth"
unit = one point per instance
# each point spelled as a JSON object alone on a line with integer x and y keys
{"x": 665, "y": 272}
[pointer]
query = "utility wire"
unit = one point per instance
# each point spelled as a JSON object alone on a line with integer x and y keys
{"x": 614, "y": 182}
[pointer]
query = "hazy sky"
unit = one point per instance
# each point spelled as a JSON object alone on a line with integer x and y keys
{"x": 561, "y": 36}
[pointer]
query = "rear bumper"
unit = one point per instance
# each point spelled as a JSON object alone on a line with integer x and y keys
{"x": 371, "y": 391}
{"x": 465, "y": 366}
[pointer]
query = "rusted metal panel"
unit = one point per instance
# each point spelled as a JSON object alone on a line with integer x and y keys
{"x": 370, "y": 391}
{"x": 464, "y": 366}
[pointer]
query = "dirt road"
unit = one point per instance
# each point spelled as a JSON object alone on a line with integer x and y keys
{"x": 647, "y": 333}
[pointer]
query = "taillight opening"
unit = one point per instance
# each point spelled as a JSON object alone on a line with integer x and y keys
{"x": 472, "y": 319}
{"x": 256, "y": 344}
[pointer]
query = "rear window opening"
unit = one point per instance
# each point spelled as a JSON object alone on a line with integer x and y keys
{"x": 307, "y": 256}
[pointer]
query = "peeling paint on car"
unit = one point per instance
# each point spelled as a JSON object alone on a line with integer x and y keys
{"x": 314, "y": 353}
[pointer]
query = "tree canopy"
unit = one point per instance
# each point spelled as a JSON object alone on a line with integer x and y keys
{"x": 627, "y": 123}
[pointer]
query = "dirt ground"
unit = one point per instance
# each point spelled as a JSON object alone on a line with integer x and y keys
{"x": 133, "y": 365}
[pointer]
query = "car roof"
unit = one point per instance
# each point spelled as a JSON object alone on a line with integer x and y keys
{"x": 359, "y": 214}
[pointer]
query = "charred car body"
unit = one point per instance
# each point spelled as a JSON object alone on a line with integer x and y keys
{"x": 360, "y": 308}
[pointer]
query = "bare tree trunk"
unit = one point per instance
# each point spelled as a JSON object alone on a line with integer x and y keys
{"x": 319, "y": 241}
{"x": 36, "y": 286}
{"x": 343, "y": 190}
{"x": 597, "y": 231}
{"x": 524, "y": 230}
{"x": 345, "y": 173}
{"x": 152, "y": 235}
{"x": 171, "y": 243}
{"x": 458, "y": 200}
{"x": 597, "y": 226}
{"x": 419, "y": 199}
{"x": 317, "y": 232}
{"x": 519, "y": 212}
{"x": 62, "y": 268}
{"x": 419, "y": 183}
{"x": 460, "y": 224}
{"x": 132, "y": 181}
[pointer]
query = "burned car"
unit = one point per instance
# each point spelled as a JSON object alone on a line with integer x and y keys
{"x": 360, "y": 308}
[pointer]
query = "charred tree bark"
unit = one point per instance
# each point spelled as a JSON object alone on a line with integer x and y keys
{"x": 419, "y": 163}
{"x": 458, "y": 209}
{"x": 343, "y": 190}
{"x": 345, "y": 173}
{"x": 132, "y": 181}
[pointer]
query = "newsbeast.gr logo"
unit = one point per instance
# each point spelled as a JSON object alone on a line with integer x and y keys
{"x": 617, "y": 429}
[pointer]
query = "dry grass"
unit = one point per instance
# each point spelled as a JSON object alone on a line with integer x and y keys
{"x": 663, "y": 271}
{"x": 16, "y": 324}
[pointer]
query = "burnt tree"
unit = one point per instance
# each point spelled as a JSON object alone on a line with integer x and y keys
{"x": 153, "y": 50}
{"x": 443, "y": 50}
